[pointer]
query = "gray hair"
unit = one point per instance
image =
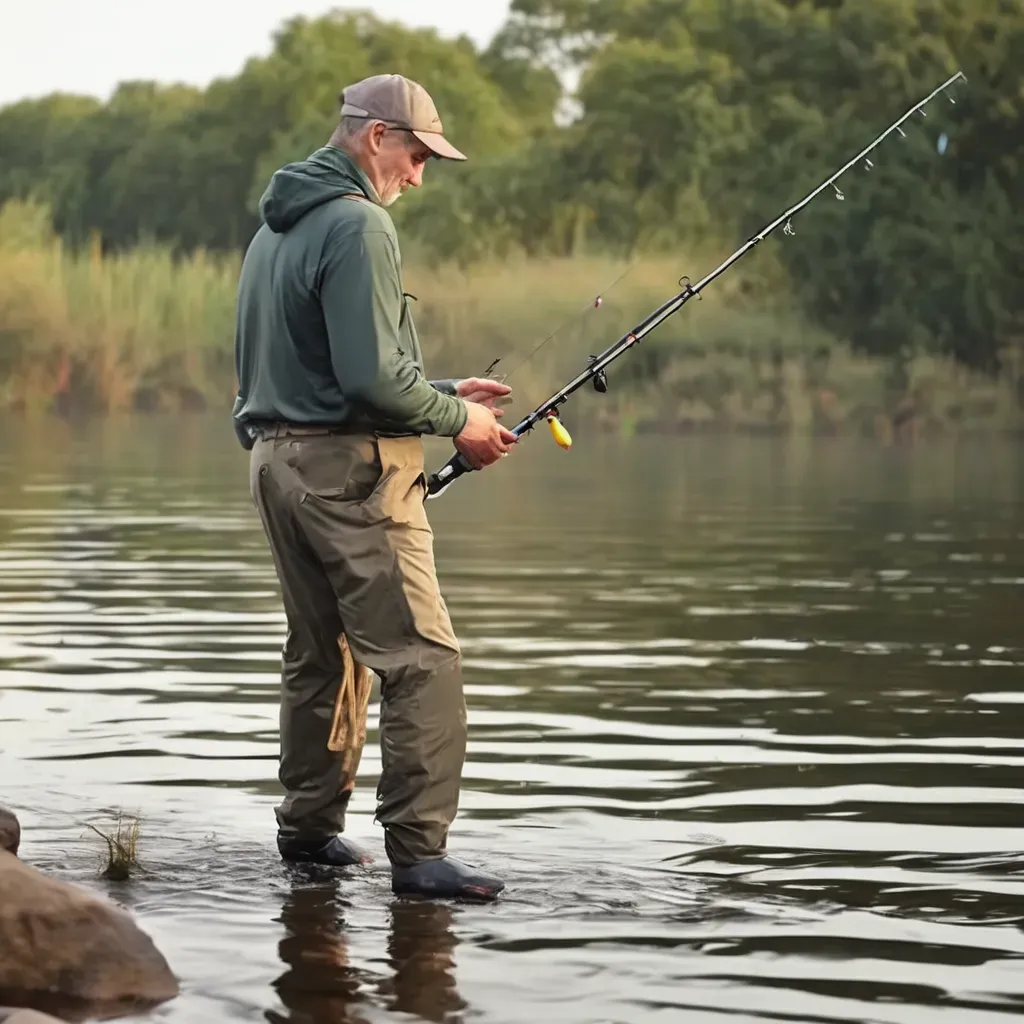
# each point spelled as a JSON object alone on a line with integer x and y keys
{"x": 351, "y": 127}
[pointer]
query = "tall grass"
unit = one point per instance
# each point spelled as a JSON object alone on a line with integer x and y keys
{"x": 145, "y": 330}
{"x": 135, "y": 330}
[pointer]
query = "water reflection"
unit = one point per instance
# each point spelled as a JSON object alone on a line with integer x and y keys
{"x": 321, "y": 985}
{"x": 421, "y": 952}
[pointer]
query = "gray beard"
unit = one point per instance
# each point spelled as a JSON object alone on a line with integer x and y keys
{"x": 388, "y": 200}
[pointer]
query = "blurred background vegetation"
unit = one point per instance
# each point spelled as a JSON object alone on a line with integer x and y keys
{"x": 689, "y": 124}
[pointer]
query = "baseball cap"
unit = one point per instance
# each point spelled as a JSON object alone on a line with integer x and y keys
{"x": 403, "y": 102}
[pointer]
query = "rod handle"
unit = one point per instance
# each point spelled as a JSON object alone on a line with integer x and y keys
{"x": 447, "y": 474}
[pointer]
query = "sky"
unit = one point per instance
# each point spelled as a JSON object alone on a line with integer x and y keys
{"x": 88, "y": 46}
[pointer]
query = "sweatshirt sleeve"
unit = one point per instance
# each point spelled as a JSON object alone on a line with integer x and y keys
{"x": 361, "y": 296}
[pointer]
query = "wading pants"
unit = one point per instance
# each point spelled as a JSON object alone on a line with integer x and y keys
{"x": 348, "y": 532}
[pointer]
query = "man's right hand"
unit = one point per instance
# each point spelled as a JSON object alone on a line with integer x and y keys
{"x": 483, "y": 440}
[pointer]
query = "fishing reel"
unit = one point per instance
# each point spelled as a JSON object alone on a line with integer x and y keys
{"x": 600, "y": 379}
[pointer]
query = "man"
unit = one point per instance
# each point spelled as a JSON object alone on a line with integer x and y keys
{"x": 332, "y": 401}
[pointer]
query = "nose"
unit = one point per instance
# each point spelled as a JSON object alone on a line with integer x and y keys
{"x": 416, "y": 178}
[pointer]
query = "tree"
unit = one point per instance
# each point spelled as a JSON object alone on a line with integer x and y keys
{"x": 698, "y": 121}
{"x": 724, "y": 112}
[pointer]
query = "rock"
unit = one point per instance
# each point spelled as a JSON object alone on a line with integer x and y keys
{"x": 10, "y": 832}
{"x": 60, "y": 943}
{"x": 16, "y": 1015}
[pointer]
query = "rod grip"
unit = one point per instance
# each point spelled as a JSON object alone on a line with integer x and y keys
{"x": 447, "y": 474}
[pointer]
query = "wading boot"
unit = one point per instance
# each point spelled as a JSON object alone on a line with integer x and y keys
{"x": 446, "y": 878}
{"x": 334, "y": 851}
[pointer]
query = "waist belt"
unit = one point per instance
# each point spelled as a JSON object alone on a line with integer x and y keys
{"x": 268, "y": 431}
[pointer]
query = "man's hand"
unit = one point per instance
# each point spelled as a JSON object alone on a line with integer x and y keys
{"x": 484, "y": 391}
{"x": 483, "y": 440}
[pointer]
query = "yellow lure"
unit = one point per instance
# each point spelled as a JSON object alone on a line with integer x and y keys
{"x": 558, "y": 432}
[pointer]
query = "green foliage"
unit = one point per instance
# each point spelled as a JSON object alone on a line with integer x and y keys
{"x": 698, "y": 121}
{"x": 715, "y": 115}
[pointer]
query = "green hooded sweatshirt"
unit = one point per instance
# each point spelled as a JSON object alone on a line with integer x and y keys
{"x": 324, "y": 332}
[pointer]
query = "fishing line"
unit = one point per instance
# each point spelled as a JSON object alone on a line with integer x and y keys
{"x": 594, "y": 303}
{"x": 581, "y": 314}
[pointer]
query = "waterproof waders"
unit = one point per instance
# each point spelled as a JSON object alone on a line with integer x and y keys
{"x": 353, "y": 550}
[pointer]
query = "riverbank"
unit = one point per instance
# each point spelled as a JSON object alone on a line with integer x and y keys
{"x": 146, "y": 331}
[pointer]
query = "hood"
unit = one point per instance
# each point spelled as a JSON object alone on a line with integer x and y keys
{"x": 297, "y": 188}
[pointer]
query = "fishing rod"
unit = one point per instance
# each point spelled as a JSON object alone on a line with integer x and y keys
{"x": 595, "y": 370}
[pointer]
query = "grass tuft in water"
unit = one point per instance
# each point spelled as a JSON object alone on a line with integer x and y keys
{"x": 122, "y": 847}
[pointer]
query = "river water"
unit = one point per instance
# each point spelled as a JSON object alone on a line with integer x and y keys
{"x": 745, "y": 730}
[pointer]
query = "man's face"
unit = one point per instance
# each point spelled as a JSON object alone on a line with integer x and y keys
{"x": 400, "y": 162}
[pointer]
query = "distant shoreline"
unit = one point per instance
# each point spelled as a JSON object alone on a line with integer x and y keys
{"x": 145, "y": 331}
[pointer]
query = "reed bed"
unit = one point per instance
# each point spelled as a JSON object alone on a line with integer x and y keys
{"x": 84, "y": 331}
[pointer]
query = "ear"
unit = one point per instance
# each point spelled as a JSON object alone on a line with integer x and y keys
{"x": 375, "y": 136}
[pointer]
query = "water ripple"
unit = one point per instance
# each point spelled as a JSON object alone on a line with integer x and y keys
{"x": 745, "y": 735}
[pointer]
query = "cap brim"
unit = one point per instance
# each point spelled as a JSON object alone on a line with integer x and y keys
{"x": 439, "y": 145}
